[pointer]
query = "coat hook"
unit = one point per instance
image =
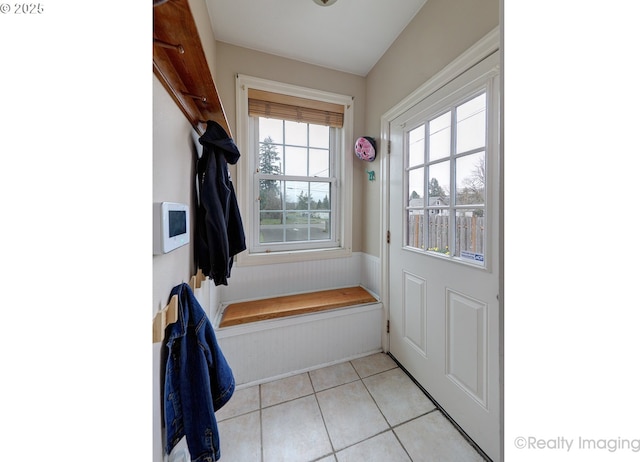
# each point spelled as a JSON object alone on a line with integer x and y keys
{"x": 178, "y": 48}
{"x": 201, "y": 98}
{"x": 372, "y": 175}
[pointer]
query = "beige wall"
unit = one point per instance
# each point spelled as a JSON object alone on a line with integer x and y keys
{"x": 440, "y": 32}
{"x": 173, "y": 154}
{"x": 172, "y": 172}
{"x": 232, "y": 60}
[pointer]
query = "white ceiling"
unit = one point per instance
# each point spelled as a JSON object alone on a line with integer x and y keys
{"x": 349, "y": 36}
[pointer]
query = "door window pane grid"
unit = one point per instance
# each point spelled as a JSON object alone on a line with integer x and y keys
{"x": 451, "y": 220}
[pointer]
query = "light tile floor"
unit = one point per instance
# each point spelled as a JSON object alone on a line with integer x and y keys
{"x": 364, "y": 410}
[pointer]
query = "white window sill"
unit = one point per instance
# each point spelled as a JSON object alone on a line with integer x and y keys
{"x": 268, "y": 258}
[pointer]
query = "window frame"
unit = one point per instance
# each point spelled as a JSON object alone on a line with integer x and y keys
{"x": 246, "y": 139}
{"x": 254, "y": 245}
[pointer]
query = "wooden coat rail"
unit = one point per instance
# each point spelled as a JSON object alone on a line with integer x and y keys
{"x": 169, "y": 314}
{"x": 180, "y": 64}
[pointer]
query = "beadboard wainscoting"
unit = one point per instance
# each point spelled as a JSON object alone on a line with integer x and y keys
{"x": 263, "y": 351}
{"x": 267, "y": 350}
{"x": 262, "y": 281}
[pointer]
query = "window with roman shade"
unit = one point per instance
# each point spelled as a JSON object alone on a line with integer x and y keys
{"x": 297, "y": 199}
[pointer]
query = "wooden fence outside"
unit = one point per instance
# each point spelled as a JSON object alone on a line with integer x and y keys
{"x": 469, "y": 233}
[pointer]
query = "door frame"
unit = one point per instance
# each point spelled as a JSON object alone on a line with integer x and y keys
{"x": 489, "y": 44}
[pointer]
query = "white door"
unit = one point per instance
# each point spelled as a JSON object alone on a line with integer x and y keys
{"x": 444, "y": 249}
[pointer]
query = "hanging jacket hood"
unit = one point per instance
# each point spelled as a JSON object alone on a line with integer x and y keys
{"x": 217, "y": 137}
{"x": 219, "y": 232}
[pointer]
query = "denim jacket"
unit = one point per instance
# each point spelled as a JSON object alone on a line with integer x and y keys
{"x": 198, "y": 380}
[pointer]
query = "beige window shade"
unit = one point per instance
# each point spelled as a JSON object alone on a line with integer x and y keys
{"x": 278, "y": 106}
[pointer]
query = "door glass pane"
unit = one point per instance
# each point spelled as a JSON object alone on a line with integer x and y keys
{"x": 470, "y": 179}
{"x": 440, "y": 137}
{"x": 470, "y": 236}
{"x": 439, "y": 189}
{"x": 416, "y": 146}
{"x": 416, "y": 187}
{"x": 471, "y": 124}
{"x": 415, "y": 228}
{"x": 438, "y": 231}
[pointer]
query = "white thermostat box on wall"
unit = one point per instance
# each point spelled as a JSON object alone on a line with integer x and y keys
{"x": 170, "y": 226}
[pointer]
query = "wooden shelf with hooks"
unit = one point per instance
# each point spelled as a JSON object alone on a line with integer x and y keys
{"x": 180, "y": 64}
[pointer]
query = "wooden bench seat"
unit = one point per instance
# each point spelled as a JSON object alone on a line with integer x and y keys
{"x": 290, "y": 305}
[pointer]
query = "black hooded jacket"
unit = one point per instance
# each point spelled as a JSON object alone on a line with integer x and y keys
{"x": 219, "y": 231}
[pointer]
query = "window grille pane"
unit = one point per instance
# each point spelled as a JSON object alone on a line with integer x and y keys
{"x": 269, "y": 157}
{"x": 295, "y": 133}
{"x": 470, "y": 179}
{"x": 271, "y": 195}
{"x": 320, "y": 196}
{"x": 295, "y": 161}
{"x": 440, "y": 137}
{"x": 296, "y": 195}
{"x": 297, "y": 226}
{"x": 471, "y": 124}
{"x": 319, "y": 163}
{"x": 319, "y": 136}
{"x": 320, "y": 226}
{"x": 271, "y": 227}
{"x": 271, "y": 128}
{"x": 416, "y": 146}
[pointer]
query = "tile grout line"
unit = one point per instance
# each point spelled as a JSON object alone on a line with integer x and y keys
{"x": 442, "y": 411}
{"x": 324, "y": 422}
{"x": 326, "y": 429}
{"x": 391, "y": 427}
{"x": 361, "y": 380}
{"x": 261, "y": 433}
